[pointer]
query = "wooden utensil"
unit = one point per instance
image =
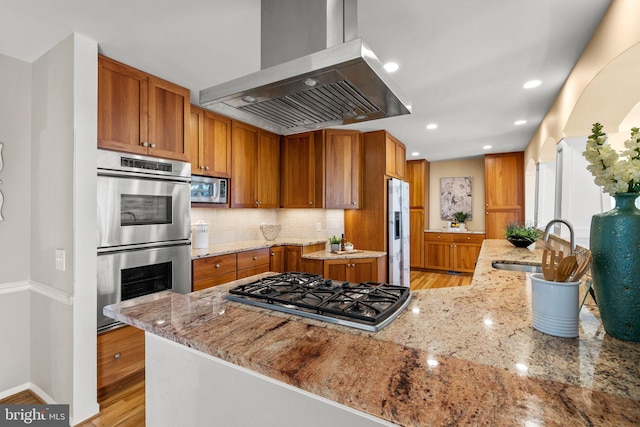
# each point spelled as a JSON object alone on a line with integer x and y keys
{"x": 565, "y": 268}
{"x": 583, "y": 266}
{"x": 549, "y": 264}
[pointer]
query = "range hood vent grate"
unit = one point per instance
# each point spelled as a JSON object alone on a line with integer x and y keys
{"x": 334, "y": 101}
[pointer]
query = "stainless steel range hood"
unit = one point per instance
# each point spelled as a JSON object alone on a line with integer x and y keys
{"x": 342, "y": 83}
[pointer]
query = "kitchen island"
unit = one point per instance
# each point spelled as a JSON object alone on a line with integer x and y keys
{"x": 456, "y": 356}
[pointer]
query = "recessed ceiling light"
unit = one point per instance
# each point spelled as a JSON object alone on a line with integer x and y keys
{"x": 519, "y": 122}
{"x": 432, "y": 126}
{"x": 415, "y": 153}
{"x": 486, "y": 147}
{"x": 531, "y": 84}
{"x": 391, "y": 67}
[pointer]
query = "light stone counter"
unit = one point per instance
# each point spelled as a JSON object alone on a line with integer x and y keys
{"x": 453, "y": 231}
{"x": 228, "y": 248}
{"x": 456, "y": 356}
{"x": 328, "y": 255}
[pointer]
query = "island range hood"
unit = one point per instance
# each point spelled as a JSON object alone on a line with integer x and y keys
{"x": 315, "y": 72}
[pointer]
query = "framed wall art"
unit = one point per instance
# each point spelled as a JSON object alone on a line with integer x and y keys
{"x": 455, "y": 196}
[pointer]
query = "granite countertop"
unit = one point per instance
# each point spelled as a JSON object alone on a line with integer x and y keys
{"x": 356, "y": 253}
{"x": 453, "y": 231}
{"x": 232, "y": 247}
{"x": 456, "y": 356}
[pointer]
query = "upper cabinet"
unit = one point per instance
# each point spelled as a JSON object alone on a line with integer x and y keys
{"x": 141, "y": 114}
{"x": 255, "y": 178}
{"x": 302, "y": 170}
{"x": 504, "y": 192}
{"x": 418, "y": 179}
{"x": 396, "y": 157}
{"x": 210, "y": 143}
{"x": 322, "y": 169}
{"x": 343, "y": 173}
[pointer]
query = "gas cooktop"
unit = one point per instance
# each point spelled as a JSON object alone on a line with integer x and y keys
{"x": 367, "y": 305}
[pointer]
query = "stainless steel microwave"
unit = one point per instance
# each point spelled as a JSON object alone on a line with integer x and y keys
{"x": 205, "y": 189}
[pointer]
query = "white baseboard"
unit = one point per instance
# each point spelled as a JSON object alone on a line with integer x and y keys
{"x": 28, "y": 386}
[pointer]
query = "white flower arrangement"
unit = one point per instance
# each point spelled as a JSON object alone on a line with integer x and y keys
{"x": 613, "y": 173}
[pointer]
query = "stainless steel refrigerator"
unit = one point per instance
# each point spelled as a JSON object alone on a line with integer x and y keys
{"x": 398, "y": 227}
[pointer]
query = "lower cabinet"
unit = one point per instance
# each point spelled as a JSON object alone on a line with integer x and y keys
{"x": 213, "y": 271}
{"x": 253, "y": 262}
{"x": 452, "y": 251}
{"x": 354, "y": 270}
{"x": 276, "y": 263}
{"x": 120, "y": 355}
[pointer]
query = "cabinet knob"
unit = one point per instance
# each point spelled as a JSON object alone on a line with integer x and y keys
{"x": 257, "y": 203}
{"x": 206, "y": 168}
{"x": 487, "y": 204}
{"x": 255, "y": 258}
{"x": 153, "y": 145}
{"x": 310, "y": 203}
{"x": 145, "y": 144}
{"x": 273, "y": 254}
{"x": 217, "y": 265}
{"x": 468, "y": 238}
{"x": 353, "y": 203}
{"x": 117, "y": 356}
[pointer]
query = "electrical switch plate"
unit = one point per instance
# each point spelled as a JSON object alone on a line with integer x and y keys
{"x": 60, "y": 259}
{"x": 319, "y": 226}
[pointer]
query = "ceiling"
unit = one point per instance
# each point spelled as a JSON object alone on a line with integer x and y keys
{"x": 462, "y": 63}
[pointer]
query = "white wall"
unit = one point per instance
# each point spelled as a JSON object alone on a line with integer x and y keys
{"x": 15, "y": 233}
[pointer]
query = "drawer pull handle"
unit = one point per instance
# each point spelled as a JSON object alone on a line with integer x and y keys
{"x": 117, "y": 356}
{"x": 217, "y": 265}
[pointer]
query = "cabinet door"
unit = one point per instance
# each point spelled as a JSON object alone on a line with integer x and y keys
{"x": 243, "y": 165}
{"x": 120, "y": 354}
{"x": 465, "y": 256}
{"x": 196, "y": 138}
{"x": 216, "y": 148}
{"x": 277, "y": 259}
{"x": 416, "y": 237}
{"x": 169, "y": 117}
{"x": 122, "y": 107}
{"x": 343, "y": 154}
{"x": 418, "y": 178}
{"x": 336, "y": 270}
{"x": 299, "y": 171}
{"x": 293, "y": 258}
{"x": 363, "y": 270}
{"x": 504, "y": 191}
{"x": 268, "y": 164}
{"x": 401, "y": 160}
{"x": 396, "y": 157}
{"x": 438, "y": 255}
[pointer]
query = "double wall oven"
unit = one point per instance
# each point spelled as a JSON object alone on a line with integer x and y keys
{"x": 144, "y": 230}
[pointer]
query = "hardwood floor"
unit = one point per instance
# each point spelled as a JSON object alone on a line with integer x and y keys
{"x": 125, "y": 406}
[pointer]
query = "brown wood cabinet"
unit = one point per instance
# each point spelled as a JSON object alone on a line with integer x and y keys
{"x": 253, "y": 262}
{"x": 343, "y": 157}
{"x": 452, "y": 251}
{"x": 213, "y": 271}
{"x": 504, "y": 192}
{"x": 302, "y": 167}
{"x": 255, "y": 177}
{"x": 418, "y": 178}
{"x": 210, "y": 143}
{"x": 396, "y": 157}
{"x": 120, "y": 356}
{"x": 355, "y": 270}
{"x": 367, "y": 227}
{"x": 141, "y": 114}
{"x": 277, "y": 259}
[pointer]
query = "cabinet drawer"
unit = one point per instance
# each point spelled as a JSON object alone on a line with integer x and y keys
{"x": 120, "y": 353}
{"x": 213, "y": 266}
{"x": 253, "y": 258}
{"x": 438, "y": 237}
{"x": 468, "y": 238}
{"x": 208, "y": 282}
{"x": 262, "y": 268}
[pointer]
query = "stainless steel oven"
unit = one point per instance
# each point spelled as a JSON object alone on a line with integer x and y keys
{"x": 144, "y": 228}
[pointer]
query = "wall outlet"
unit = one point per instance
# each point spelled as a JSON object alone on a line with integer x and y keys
{"x": 319, "y": 226}
{"x": 60, "y": 259}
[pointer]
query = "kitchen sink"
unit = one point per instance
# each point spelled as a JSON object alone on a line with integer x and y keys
{"x": 516, "y": 266}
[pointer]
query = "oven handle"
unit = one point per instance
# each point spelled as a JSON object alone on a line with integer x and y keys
{"x": 138, "y": 175}
{"x": 99, "y": 227}
{"x": 137, "y": 247}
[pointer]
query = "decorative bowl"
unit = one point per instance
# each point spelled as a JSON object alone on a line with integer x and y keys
{"x": 520, "y": 243}
{"x": 348, "y": 247}
{"x": 270, "y": 231}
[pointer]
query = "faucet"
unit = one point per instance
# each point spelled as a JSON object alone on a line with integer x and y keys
{"x": 572, "y": 234}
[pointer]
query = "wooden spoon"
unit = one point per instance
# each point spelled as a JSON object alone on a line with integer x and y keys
{"x": 565, "y": 268}
{"x": 582, "y": 268}
{"x": 549, "y": 265}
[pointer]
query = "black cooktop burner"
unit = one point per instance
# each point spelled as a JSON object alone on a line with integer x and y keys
{"x": 366, "y": 305}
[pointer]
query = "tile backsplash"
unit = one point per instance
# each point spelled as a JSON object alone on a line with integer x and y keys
{"x": 236, "y": 225}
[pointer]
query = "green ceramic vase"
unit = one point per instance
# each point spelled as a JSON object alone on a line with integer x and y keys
{"x": 615, "y": 246}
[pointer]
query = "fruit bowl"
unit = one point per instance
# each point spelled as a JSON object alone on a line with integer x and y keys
{"x": 270, "y": 231}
